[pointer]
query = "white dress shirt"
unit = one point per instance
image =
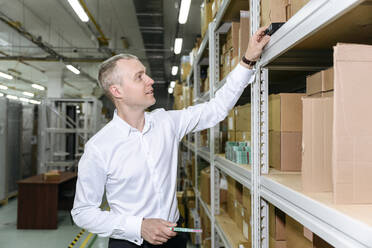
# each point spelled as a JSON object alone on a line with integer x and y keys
{"x": 139, "y": 169}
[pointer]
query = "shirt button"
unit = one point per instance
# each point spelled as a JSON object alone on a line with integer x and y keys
{"x": 136, "y": 240}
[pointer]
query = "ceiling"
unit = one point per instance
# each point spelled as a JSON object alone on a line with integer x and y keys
{"x": 39, "y": 37}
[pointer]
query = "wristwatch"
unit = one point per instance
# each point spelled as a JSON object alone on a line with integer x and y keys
{"x": 248, "y": 62}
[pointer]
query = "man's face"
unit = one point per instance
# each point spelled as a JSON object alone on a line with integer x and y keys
{"x": 136, "y": 86}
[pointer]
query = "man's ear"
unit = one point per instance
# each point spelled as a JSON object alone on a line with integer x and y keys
{"x": 116, "y": 91}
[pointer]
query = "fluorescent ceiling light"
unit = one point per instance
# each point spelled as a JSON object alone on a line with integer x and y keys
{"x": 38, "y": 86}
{"x": 73, "y": 69}
{"x": 11, "y": 97}
{"x": 184, "y": 11}
{"x": 79, "y": 10}
{"x": 174, "y": 70}
{"x": 4, "y": 75}
{"x": 1, "y": 94}
{"x": 177, "y": 45}
{"x": 170, "y": 90}
{"x": 24, "y": 99}
{"x": 3, "y": 87}
{"x": 34, "y": 101}
{"x": 172, "y": 84}
{"x": 28, "y": 94}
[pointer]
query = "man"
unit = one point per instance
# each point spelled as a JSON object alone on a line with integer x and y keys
{"x": 133, "y": 159}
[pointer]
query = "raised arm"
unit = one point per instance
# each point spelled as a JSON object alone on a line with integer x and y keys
{"x": 207, "y": 115}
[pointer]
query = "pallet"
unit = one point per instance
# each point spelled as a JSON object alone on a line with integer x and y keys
{"x": 5, "y": 201}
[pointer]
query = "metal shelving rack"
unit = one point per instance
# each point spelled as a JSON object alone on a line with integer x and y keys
{"x": 338, "y": 225}
{"x": 70, "y": 122}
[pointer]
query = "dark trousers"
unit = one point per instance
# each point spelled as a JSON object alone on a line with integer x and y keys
{"x": 178, "y": 241}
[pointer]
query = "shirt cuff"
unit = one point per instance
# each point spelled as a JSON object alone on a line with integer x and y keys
{"x": 242, "y": 74}
{"x": 129, "y": 229}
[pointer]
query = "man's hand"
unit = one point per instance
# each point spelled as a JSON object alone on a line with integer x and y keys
{"x": 156, "y": 231}
{"x": 256, "y": 43}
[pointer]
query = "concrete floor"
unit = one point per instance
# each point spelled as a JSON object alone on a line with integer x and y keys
{"x": 62, "y": 237}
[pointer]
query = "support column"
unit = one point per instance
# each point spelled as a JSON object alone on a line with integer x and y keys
{"x": 55, "y": 84}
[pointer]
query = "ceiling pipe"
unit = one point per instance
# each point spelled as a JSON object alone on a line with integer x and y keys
{"x": 103, "y": 41}
{"x": 17, "y": 26}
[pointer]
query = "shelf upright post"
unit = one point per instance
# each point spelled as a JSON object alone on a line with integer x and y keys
{"x": 215, "y": 175}
{"x": 196, "y": 137}
{"x": 259, "y": 142}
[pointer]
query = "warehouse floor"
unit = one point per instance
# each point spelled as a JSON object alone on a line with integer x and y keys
{"x": 62, "y": 237}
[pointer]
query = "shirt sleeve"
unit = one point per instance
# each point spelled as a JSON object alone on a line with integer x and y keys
{"x": 87, "y": 213}
{"x": 208, "y": 114}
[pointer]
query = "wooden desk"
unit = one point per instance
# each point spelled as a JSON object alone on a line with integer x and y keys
{"x": 39, "y": 200}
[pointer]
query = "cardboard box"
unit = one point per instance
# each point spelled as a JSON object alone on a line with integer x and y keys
{"x": 247, "y": 199}
{"x": 285, "y": 150}
{"x": 231, "y": 205}
{"x": 273, "y": 11}
{"x": 242, "y": 136}
{"x": 277, "y": 243}
{"x": 244, "y": 32}
{"x": 243, "y": 118}
{"x": 352, "y": 132}
{"x": 231, "y": 136}
{"x": 235, "y": 27}
{"x": 247, "y": 232}
{"x": 205, "y": 16}
{"x": 277, "y": 223}
{"x": 234, "y": 62}
{"x": 279, "y": 10}
{"x": 185, "y": 70}
{"x": 285, "y": 112}
{"x": 294, "y": 234}
{"x": 308, "y": 234}
{"x": 294, "y": 6}
{"x": 239, "y": 215}
{"x": 317, "y": 144}
{"x": 320, "y": 82}
{"x": 205, "y": 189}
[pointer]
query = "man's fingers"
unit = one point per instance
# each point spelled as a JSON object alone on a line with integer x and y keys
{"x": 264, "y": 41}
{"x": 169, "y": 224}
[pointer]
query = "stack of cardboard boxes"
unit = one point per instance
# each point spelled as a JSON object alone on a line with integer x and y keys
{"x": 236, "y": 43}
{"x": 205, "y": 16}
{"x": 337, "y": 135}
{"x": 285, "y": 131}
{"x": 277, "y": 232}
{"x": 317, "y": 132}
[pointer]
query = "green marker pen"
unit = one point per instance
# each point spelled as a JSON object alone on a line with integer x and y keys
{"x": 181, "y": 229}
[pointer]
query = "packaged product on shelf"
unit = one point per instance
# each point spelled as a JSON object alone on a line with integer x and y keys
{"x": 320, "y": 82}
{"x": 235, "y": 26}
{"x": 230, "y": 137}
{"x": 243, "y": 118}
{"x": 206, "y": 16}
{"x": 285, "y": 150}
{"x": 352, "y": 133}
{"x": 242, "y": 136}
{"x": 294, "y": 234}
{"x": 277, "y": 223}
{"x": 185, "y": 67}
{"x": 231, "y": 120}
{"x": 279, "y": 10}
{"x": 234, "y": 8}
{"x": 244, "y": 32}
{"x": 178, "y": 89}
{"x": 317, "y": 144}
{"x": 285, "y": 112}
{"x": 285, "y": 125}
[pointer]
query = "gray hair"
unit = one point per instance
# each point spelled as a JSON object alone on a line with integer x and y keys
{"x": 107, "y": 73}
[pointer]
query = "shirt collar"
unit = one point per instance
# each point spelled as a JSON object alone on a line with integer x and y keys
{"x": 124, "y": 126}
